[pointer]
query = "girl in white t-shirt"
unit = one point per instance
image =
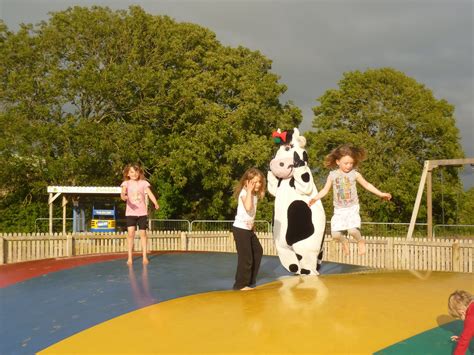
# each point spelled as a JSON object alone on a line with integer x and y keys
{"x": 249, "y": 250}
{"x": 343, "y": 181}
{"x": 134, "y": 189}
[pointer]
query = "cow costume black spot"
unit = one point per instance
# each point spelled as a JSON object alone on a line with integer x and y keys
{"x": 298, "y": 229}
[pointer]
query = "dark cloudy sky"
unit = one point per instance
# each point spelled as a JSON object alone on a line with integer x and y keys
{"x": 312, "y": 42}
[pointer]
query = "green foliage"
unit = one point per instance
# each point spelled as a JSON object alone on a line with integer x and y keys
{"x": 466, "y": 208}
{"x": 92, "y": 89}
{"x": 400, "y": 124}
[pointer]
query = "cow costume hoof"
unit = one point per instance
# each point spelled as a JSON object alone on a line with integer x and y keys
{"x": 293, "y": 268}
{"x": 298, "y": 229}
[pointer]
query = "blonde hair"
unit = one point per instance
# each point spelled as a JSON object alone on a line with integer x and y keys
{"x": 358, "y": 154}
{"x": 249, "y": 175}
{"x": 459, "y": 299}
{"x": 135, "y": 167}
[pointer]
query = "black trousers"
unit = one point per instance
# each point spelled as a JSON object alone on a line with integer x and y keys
{"x": 249, "y": 253}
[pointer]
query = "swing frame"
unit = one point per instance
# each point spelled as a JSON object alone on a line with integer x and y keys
{"x": 428, "y": 167}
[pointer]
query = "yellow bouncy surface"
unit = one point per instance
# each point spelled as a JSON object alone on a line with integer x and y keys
{"x": 345, "y": 313}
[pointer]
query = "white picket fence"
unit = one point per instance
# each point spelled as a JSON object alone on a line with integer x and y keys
{"x": 384, "y": 253}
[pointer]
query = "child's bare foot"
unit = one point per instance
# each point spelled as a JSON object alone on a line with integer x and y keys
{"x": 129, "y": 262}
{"x": 361, "y": 247}
{"x": 145, "y": 261}
{"x": 246, "y": 288}
{"x": 345, "y": 247}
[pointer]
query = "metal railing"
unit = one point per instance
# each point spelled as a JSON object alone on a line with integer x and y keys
{"x": 226, "y": 225}
{"x": 43, "y": 224}
{"x": 453, "y": 230}
{"x": 182, "y": 225}
{"x": 368, "y": 229}
{"x": 392, "y": 229}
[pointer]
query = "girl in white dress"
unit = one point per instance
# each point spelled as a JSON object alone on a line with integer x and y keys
{"x": 343, "y": 180}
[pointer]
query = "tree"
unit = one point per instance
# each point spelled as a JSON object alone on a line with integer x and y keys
{"x": 466, "y": 208}
{"x": 93, "y": 89}
{"x": 400, "y": 124}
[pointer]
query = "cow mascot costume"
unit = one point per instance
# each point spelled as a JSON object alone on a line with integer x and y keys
{"x": 298, "y": 229}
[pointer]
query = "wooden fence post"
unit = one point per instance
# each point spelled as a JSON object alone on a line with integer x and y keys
{"x": 332, "y": 251}
{"x": 70, "y": 245}
{"x": 455, "y": 257}
{"x": 389, "y": 254}
{"x": 230, "y": 242}
{"x": 2, "y": 251}
{"x": 184, "y": 244}
{"x": 405, "y": 262}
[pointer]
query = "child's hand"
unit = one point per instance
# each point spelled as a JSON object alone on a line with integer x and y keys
{"x": 454, "y": 338}
{"x": 157, "y": 206}
{"x": 124, "y": 198}
{"x": 312, "y": 202}
{"x": 250, "y": 186}
{"x": 386, "y": 196}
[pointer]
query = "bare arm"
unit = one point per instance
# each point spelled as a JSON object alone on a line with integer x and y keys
{"x": 321, "y": 193}
{"x": 152, "y": 198}
{"x": 248, "y": 199}
{"x": 369, "y": 187}
{"x": 123, "y": 194}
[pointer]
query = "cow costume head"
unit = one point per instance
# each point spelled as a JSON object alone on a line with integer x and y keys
{"x": 290, "y": 154}
{"x": 298, "y": 229}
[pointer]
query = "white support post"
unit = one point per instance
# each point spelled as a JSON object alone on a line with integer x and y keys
{"x": 64, "y": 214}
{"x": 50, "y": 203}
{"x": 418, "y": 200}
{"x": 429, "y": 204}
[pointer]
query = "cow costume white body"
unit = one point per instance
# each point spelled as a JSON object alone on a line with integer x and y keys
{"x": 298, "y": 229}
